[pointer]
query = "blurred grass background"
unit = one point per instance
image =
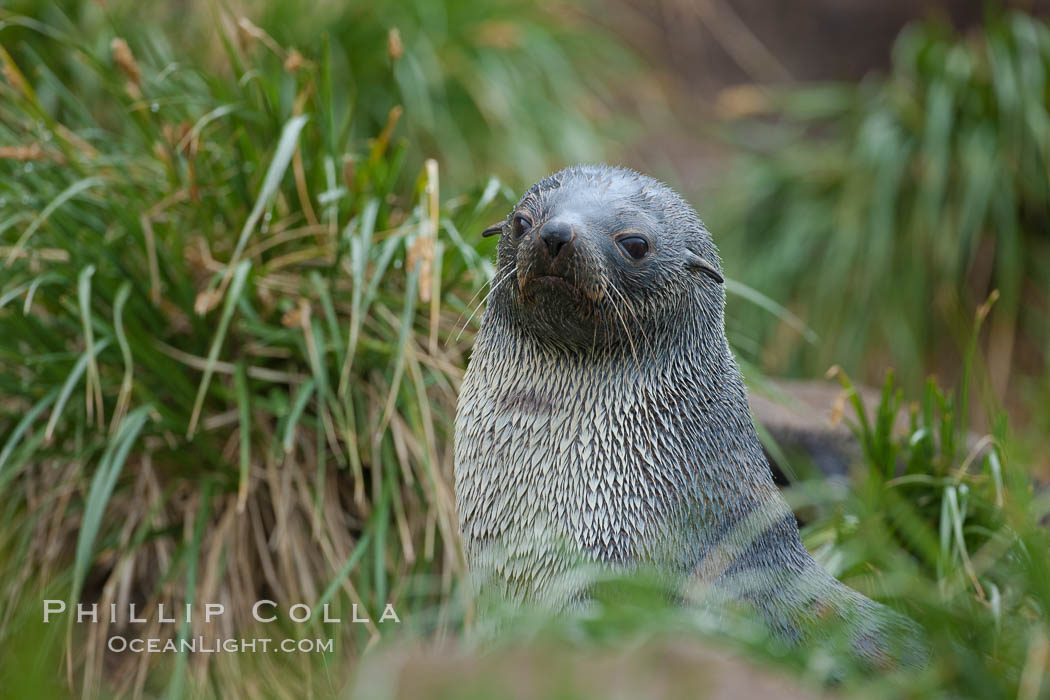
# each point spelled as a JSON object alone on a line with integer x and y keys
{"x": 239, "y": 264}
{"x": 912, "y": 196}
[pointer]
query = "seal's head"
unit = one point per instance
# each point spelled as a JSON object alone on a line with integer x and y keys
{"x": 591, "y": 253}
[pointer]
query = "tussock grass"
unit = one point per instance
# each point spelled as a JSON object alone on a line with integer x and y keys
{"x": 228, "y": 342}
{"x": 509, "y": 87}
{"x": 911, "y": 196}
{"x": 949, "y": 528}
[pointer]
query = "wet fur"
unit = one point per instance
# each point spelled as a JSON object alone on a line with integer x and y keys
{"x": 611, "y": 425}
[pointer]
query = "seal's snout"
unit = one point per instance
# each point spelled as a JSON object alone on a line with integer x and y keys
{"x": 556, "y": 238}
{"x": 556, "y": 264}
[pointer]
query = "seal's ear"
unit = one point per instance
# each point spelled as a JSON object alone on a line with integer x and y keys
{"x": 493, "y": 230}
{"x": 697, "y": 264}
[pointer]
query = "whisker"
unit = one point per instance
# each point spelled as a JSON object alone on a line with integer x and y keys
{"x": 471, "y": 302}
{"x": 528, "y": 270}
{"x": 630, "y": 338}
{"x": 494, "y": 287}
{"x": 648, "y": 423}
{"x": 641, "y": 328}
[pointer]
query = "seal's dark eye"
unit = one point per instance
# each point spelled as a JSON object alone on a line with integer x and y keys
{"x": 635, "y": 246}
{"x": 522, "y": 224}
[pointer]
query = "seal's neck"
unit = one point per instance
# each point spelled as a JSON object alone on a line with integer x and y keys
{"x": 631, "y": 444}
{"x": 683, "y": 360}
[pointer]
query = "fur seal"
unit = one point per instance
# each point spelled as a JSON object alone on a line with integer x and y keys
{"x": 603, "y": 419}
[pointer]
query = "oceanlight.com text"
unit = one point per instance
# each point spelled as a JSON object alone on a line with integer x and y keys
{"x": 202, "y": 645}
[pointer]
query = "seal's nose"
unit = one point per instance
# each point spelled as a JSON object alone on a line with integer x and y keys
{"x": 556, "y": 236}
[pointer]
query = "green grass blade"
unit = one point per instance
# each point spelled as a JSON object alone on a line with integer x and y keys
{"x": 23, "y": 426}
{"x": 408, "y": 314}
{"x": 63, "y": 197}
{"x": 763, "y": 302}
{"x": 67, "y": 388}
{"x": 240, "y": 275}
{"x": 94, "y": 381}
{"x": 301, "y": 399}
{"x": 124, "y": 397}
{"x": 106, "y": 474}
{"x": 355, "y": 556}
{"x": 274, "y": 173}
